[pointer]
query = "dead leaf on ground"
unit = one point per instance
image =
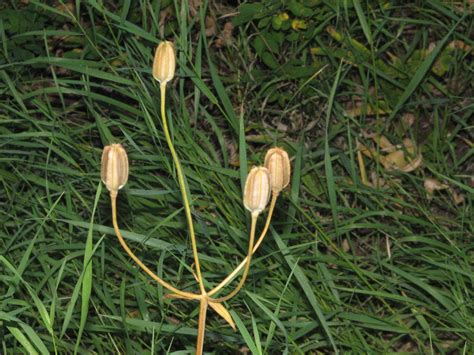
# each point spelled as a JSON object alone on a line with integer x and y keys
{"x": 407, "y": 120}
{"x": 360, "y": 109}
{"x": 173, "y": 320}
{"x": 234, "y": 159}
{"x": 134, "y": 314}
{"x": 244, "y": 350}
{"x": 345, "y": 245}
{"x": 431, "y": 185}
{"x": 377, "y": 181}
{"x": 194, "y": 7}
{"x": 225, "y": 37}
{"x": 457, "y": 197}
{"x": 458, "y": 44}
{"x": 211, "y": 26}
{"x": 282, "y": 127}
{"x": 405, "y": 157}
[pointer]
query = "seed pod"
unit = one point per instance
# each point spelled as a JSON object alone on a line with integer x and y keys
{"x": 114, "y": 167}
{"x": 278, "y": 164}
{"x": 257, "y": 190}
{"x": 164, "y": 63}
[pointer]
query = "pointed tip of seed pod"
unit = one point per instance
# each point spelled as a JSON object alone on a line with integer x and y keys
{"x": 114, "y": 167}
{"x": 278, "y": 164}
{"x": 164, "y": 63}
{"x": 257, "y": 190}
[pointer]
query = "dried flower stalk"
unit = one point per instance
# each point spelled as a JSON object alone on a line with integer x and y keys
{"x": 260, "y": 184}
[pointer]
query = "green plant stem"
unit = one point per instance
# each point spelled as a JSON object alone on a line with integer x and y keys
{"x": 247, "y": 264}
{"x": 182, "y": 187}
{"x": 187, "y": 295}
{"x": 257, "y": 244}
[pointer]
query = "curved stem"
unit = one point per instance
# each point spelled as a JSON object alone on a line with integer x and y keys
{"x": 257, "y": 244}
{"x": 182, "y": 187}
{"x": 247, "y": 264}
{"x": 201, "y": 325}
{"x": 189, "y": 295}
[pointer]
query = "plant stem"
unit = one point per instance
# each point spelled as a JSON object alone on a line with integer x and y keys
{"x": 182, "y": 187}
{"x": 189, "y": 295}
{"x": 257, "y": 244}
{"x": 201, "y": 325}
{"x": 247, "y": 264}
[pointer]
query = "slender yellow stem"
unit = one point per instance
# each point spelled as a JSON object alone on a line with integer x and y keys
{"x": 257, "y": 244}
{"x": 182, "y": 187}
{"x": 189, "y": 295}
{"x": 201, "y": 325}
{"x": 247, "y": 264}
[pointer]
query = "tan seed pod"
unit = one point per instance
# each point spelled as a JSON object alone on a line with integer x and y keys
{"x": 164, "y": 63}
{"x": 114, "y": 167}
{"x": 257, "y": 190}
{"x": 278, "y": 165}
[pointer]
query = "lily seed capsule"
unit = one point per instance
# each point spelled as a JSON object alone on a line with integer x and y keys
{"x": 278, "y": 165}
{"x": 114, "y": 167}
{"x": 164, "y": 63}
{"x": 257, "y": 190}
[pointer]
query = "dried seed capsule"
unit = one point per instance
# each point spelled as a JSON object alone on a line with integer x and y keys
{"x": 114, "y": 167}
{"x": 278, "y": 165}
{"x": 257, "y": 190}
{"x": 164, "y": 63}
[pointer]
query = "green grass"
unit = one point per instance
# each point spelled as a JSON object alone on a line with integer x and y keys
{"x": 323, "y": 281}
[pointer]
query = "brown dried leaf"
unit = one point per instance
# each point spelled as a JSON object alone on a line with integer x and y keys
{"x": 407, "y": 120}
{"x": 345, "y": 245}
{"x": 377, "y": 181}
{"x": 282, "y": 127}
{"x": 394, "y": 161}
{"x": 431, "y": 185}
{"x": 384, "y": 143}
{"x": 397, "y": 159}
{"x": 225, "y": 37}
{"x": 134, "y": 314}
{"x": 233, "y": 153}
{"x": 244, "y": 350}
{"x": 66, "y": 7}
{"x": 410, "y": 146}
{"x": 458, "y": 44}
{"x": 211, "y": 27}
{"x": 457, "y": 198}
{"x": 194, "y": 7}
{"x": 413, "y": 165}
{"x": 360, "y": 109}
{"x": 173, "y": 320}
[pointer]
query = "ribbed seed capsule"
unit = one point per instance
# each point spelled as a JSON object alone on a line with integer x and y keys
{"x": 164, "y": 63}
{"x": 257, "y": 190}
{"x": 114, "y": 167}
{"x": 278, "y": 165}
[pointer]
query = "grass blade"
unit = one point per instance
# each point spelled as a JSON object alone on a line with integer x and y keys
{"x": 87, "y": 272}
